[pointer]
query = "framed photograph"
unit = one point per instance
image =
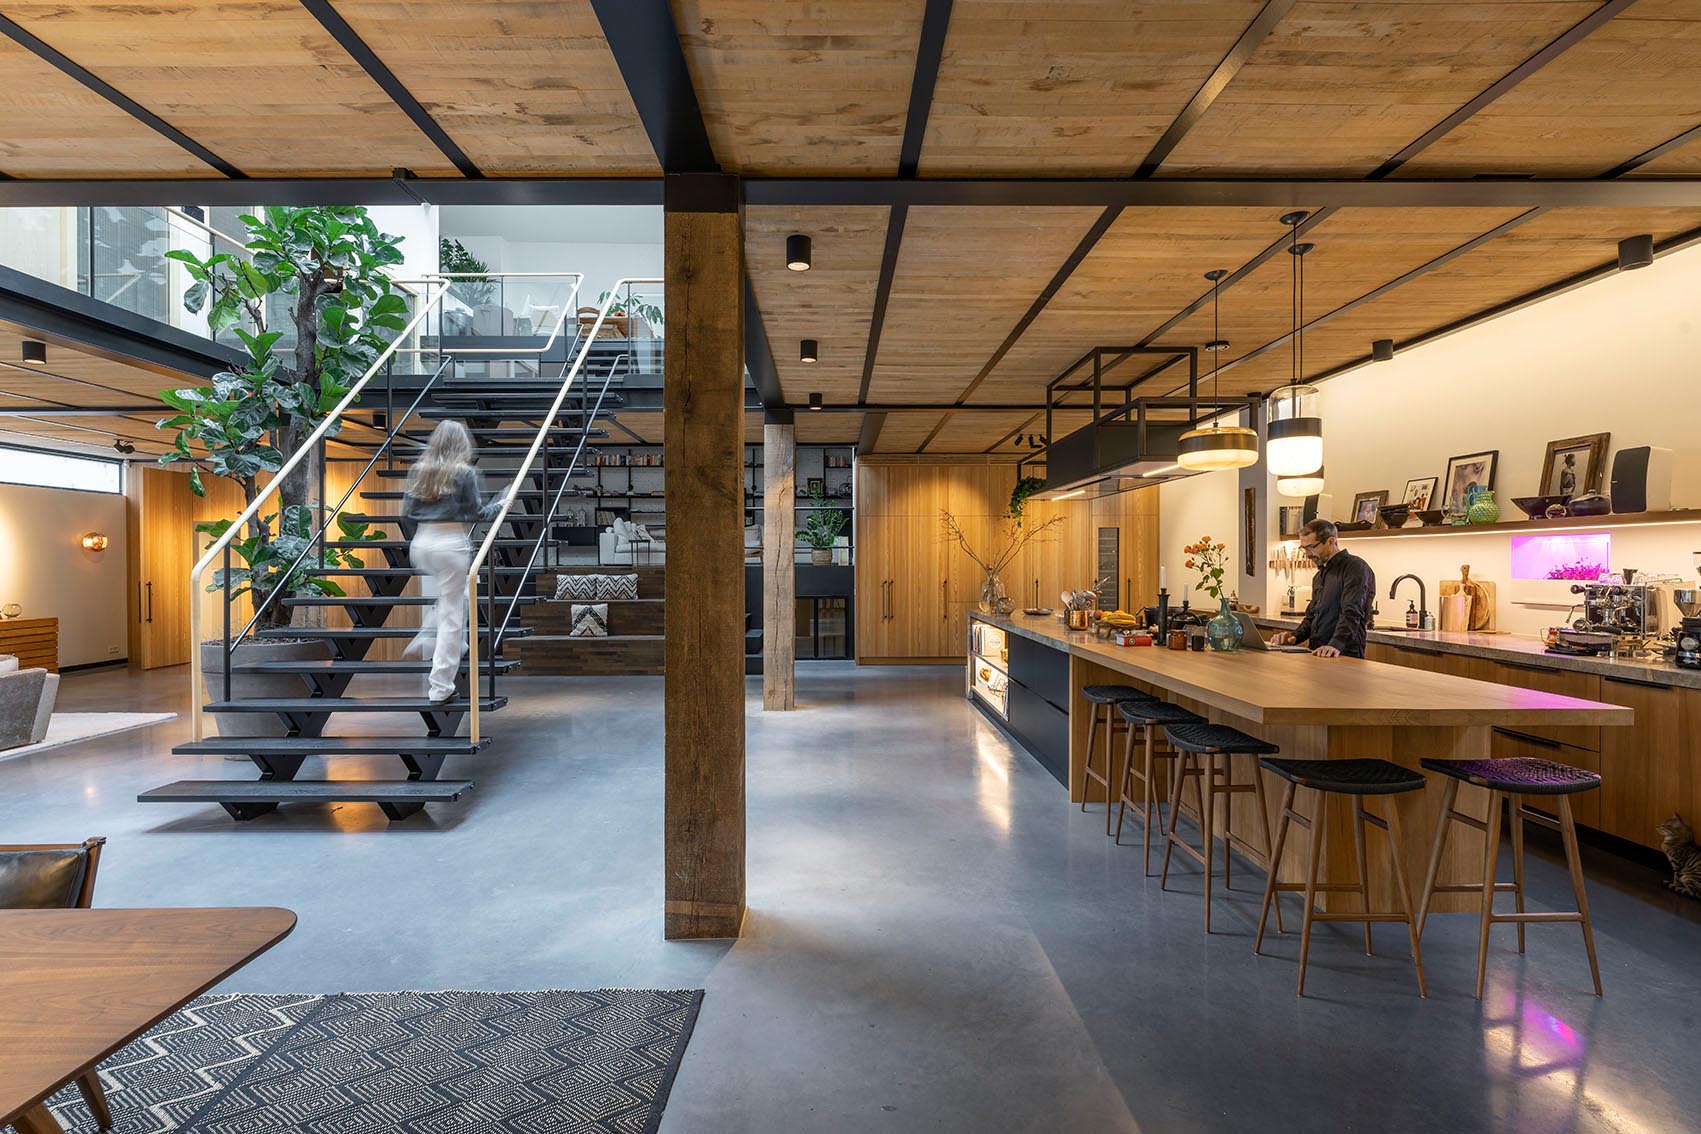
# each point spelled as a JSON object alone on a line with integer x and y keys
{"x": 815, "y": 486}
{"x": 1292, "y": 520}
{"x": 1365, "y": 506}
{"x": 1420, "y": 492}
{"x": 1575, "y": 465}
{"x": 1467, "y": 472}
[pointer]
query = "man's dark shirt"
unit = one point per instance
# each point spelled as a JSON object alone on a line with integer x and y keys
{"x": 1339, "y": 613}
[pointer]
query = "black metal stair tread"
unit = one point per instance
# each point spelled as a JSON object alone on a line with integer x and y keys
{"x": 390, "y": 600}
{"x": 357, "y": 632}
{"x": 510, "y": 451}
{"x": 392, "y": 572}
{"x": 533, "y": 493}
{"x": 353, "y": 705}
{"x": 323, "y": 665}
{"x": 501, "y": 430}
{"x": 512, "y": 517}
{"x": 594, "y": 638}
{"x": 402, "y": 544}
{"x": 302, "y": 791}
{"x": 332, "y": 746}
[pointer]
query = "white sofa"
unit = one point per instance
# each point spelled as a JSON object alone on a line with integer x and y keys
{"x": 26, "y": 703}
{"x": 624, "y": 544}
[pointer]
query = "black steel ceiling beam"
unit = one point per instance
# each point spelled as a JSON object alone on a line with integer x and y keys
{"x": 332, "y": 21}
{"x": 645, "y": 42}
{"x": 36, "y": 46}
{"x": 759, "y": 353}
{"x": 930, "y": 51}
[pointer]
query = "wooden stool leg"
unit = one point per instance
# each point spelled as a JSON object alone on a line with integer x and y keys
{"x": 1110, "y": 763}
{"x": 1207, "y": 820}
{"x": 1397, "y": 844}
{"x": 1275, "y": 869}
{"x": 1092, "y": 742}
{"x": 1490, "y": 859}
{"x": 37, "y": 1120}
{"x": 1363, "y": 868}
{"x": 1448, "y": 795}
{"x": 1264, "y": 823}
{"x": 1516, "y": 819}
{"x": 1574, "y": 860}
{"x": 1126, "y": 783}
{"x": 95, "y": 1096}
{"x": 1228, "y": 817}
{"x": 1149, "y": 803}
{"x": 1313, "y": 856}
{"x": 1181, "y": 773}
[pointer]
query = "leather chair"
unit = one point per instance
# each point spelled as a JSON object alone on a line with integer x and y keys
{"x": 55, "y": 876}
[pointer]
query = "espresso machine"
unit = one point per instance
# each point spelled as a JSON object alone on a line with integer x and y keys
{"x": 1618, "y": 618}
{"x": 1688, "y": 632}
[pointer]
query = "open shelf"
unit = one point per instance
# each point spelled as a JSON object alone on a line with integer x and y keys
{"x": 1564, "y": 524}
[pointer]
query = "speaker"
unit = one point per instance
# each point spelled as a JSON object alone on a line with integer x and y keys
{"x": 1641, "y": 480}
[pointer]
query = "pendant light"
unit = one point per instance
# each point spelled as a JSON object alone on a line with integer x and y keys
{"x": 1217, "y": 446}
{"x": 1305, "y": 484}
{"x": 1294, "y": 436}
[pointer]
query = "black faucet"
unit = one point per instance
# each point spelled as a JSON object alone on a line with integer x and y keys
{"x": 1423, "y": 602}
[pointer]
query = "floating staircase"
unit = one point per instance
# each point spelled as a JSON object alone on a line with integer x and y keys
{"x": 504, "y": 416}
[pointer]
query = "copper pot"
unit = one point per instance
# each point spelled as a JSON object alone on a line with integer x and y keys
{"x": 1079, "y": 619}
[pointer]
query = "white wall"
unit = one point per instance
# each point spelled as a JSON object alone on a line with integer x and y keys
{"x": 417, "y": 226}
{"x": 44, "y": 568}
{"x": 1188, "y": 509}
{"x": 1620, "y": 355}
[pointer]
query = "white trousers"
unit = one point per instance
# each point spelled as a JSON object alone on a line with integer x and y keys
{"x": 442, "y": 554}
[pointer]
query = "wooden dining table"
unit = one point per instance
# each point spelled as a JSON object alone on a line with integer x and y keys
{"x": 77, "y": 985}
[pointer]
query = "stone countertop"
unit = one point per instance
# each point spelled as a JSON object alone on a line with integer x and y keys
{"x": 1516, "y": 649}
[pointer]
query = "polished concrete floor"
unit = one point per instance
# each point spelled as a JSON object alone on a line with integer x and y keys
{"x": 937, "y": 941}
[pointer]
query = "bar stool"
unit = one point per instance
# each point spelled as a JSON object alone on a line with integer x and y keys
{"x": 1103, "y": 699}
{"x": 1144, "y": 718}
{"x": 1514, "y": 776}
{"x": 1200, "y": 747}
{"x": 1357, "y": 779}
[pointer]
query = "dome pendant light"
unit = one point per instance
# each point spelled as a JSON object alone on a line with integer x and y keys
{"x": 1216, "y": 446}
{"x": 1294, "y": 436}
{"x": 1306, "y": 484}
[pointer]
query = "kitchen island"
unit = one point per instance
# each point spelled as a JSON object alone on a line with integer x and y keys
{"x": 1318, "y": 708}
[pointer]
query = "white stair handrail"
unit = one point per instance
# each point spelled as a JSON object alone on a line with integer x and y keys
{"x": 514, "y": 487}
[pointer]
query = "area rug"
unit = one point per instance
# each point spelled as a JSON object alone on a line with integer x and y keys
{"x": 419, "y": 1062}
{"x": 69, "y": 728}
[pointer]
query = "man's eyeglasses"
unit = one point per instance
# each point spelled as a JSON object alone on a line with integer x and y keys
{"x": 1310, "y": 548}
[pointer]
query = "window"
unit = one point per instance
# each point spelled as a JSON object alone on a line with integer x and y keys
{"x": 60, "y": 470}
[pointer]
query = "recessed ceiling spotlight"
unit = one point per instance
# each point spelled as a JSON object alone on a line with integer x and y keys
{"x": 808, "y": 350}
{"x": 35, "y": 352}
{"x": 797, "y": 252}
{"x": 1635, "y": 252}
{"x": 815, "y": 400}
{"x": 1382, "y": 350}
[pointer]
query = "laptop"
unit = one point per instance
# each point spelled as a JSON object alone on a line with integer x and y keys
{"x": 1252, "y": 639}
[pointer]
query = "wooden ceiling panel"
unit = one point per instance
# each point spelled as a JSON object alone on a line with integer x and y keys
{"x": 973, "y": 432}
{"x": 1147, "y": 266}
{"x": 904, "y": 432}
{"x": 259, "y": 83}
{"x": 1069, "y": 88}
{"x": 56, "y": 127}
{"x": 1684, "y": 161}
{"x": 524, "y": 88}
{"x": 831, "y": 303}
{"x": 1624, "y": 89}
{"x": 1338, "y": 88}
{"x": 801, "y": 88}
{"x": 964, "y": 278}
{"x": 828, "y": 428}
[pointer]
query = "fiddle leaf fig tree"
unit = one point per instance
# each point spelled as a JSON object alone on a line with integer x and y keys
{"x": 343, "y": 311}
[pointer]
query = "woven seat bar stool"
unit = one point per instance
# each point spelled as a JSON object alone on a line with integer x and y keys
{"x": 1355, "y": 779}
{"x": 1104, "y": 699}
{"x": 1144, "y": 719}
{"x": 1207, "y": 752}
{"x": 1512, "y": 777}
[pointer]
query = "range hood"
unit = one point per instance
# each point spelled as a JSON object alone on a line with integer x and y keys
{"x": 1110, "y": 456}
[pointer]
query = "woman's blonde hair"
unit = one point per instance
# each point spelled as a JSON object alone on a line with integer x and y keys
{"x": 449, "y": 451}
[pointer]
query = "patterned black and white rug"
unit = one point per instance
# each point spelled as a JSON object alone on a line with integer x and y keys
{"x": 420, "y": 1062}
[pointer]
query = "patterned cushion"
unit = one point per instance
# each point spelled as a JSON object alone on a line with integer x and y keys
{"x": 616, "y": 587}
{"x": 590, "y": 620}
{"x": 576, "y": 586}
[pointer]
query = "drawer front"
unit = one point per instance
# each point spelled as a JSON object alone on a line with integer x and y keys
{"x": 1043, "y": 728}
{"x": 1585, "y": 806}
{"x": 1565, "y": 682}
{"x": 1043, "y": 670}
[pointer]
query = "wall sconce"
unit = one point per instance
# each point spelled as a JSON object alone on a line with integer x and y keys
{"x": 95, "y": 541}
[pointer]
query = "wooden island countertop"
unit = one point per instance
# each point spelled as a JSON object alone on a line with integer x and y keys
{"x": 1299, "y": 689}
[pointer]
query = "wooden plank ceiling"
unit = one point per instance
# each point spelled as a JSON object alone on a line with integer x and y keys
{"x": 974, "y": 306}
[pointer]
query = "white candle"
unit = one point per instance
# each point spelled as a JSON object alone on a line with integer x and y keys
{"x": 1162, "y": 573}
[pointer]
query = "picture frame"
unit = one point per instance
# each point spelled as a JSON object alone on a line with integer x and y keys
{"x": 1420, "y": 493}
{"x": 815, "y": 485}
{"x": 1292, "y": 517}
{"x": 1575, "y": 465}
{"x": 1367, "y": 506}
{"x": 1466, "y": 470}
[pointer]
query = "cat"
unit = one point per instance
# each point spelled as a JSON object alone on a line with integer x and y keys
{"x": 1678, "y": 841}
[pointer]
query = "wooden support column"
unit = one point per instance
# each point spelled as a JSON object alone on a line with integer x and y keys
{"x": 779, "y": 562}
{"x": 703, "y": 437}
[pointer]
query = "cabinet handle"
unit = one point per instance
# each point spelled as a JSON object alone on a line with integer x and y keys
{"x": 944, "y": 602}
{"x": 1633, "y": 681}
{"x": 1528, "y": 739}
{"x": 150, "y": 617}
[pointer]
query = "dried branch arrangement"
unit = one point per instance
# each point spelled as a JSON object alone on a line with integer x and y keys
{"x": 1014, "y": 536}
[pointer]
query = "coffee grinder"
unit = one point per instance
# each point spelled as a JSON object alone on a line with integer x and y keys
{"x": 1688, "y": 632}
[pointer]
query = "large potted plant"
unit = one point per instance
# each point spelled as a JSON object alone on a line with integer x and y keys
{"x": 329, "y": 265}
{"x": 822, "y": 528}
{"x": 476, "y": 291}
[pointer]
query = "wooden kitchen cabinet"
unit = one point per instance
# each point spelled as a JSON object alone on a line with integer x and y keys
{"x": 1648, "y": 770}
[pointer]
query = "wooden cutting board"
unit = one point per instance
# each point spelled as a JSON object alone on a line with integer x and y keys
{"x": 1482, "y": 619}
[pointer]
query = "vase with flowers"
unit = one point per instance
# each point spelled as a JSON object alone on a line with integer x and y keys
{"x": 1012, "y": 536}
{"x": 1210, "y": 559}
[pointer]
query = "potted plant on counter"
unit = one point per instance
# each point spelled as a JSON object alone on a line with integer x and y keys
{"x": 1210, "y": 559}
{"x": 822, "y": 529}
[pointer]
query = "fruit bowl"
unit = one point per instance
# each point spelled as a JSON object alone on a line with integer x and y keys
{"x": 1535, "y": 507}
{"x": 1394, "y": 515}
{"x": 1431, "y": 517}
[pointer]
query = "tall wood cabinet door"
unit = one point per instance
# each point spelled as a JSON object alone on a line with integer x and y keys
{"x": 875, "y": 540}
{"x": 920, "y": 586}
{"x": 162, "y": 513}
{"x": 1643, "y": 766}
